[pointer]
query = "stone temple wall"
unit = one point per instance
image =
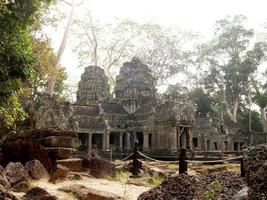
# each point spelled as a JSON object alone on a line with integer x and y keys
{"x": 93, "y": 87}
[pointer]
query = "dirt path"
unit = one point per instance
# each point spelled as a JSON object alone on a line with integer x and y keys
{"x": 126, "y": 192}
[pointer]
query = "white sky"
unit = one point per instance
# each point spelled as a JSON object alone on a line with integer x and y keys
{"x": 196, "y": 15}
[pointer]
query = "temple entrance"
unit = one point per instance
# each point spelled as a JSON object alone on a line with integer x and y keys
{"x": 114, "y": 140}
{"x": 140, "y": 138}
{"x": 83, "y": 139}
{"x": 97, "y": 141}
{"x": 184, "y": 136}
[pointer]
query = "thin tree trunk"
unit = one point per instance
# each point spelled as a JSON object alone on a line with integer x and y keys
{"x": 264, "y": 120}
{"x": 52, "y": 78}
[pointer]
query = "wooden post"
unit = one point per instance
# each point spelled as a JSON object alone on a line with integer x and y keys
{"x": 135, "y": 171}
{"x": 110, "y": 154}
{"x": 242, "y": 169}
{"x": 182, "y": 162}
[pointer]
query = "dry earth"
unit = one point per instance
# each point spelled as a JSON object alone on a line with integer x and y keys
{"x": 125, "y": 191}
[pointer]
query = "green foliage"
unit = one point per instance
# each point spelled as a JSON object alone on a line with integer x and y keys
{"x": 213, "y": 189}
{"x": 231, "y": 61}
{"x": 256, "y": 124}
{"x": 42, "y": 68}
{"x": 11, "y": 111}
{"x": 202, "y": 100}
{"x": 261, "y": 100}
{"x": 179, "y": 106}
{"x": 155, "y": 180}
{"x": 16, "y": 56}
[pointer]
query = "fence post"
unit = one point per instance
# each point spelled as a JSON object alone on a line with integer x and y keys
{"x": 182, "y": 162}
{"x": 242, "y": 169}
{"x": 110, "y": 154}
{"x": 135, "y": 160}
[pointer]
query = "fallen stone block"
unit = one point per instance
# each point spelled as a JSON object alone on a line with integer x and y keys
{"x": 36, "y": 169}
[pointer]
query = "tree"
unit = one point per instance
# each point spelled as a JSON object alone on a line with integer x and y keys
{"x": 256, "y": 124}
{"x": 260, "y": 98}
{"x": 177, "y": 99}
{"x": 229, "y": 62}
{"x": 105, "y": 45}
{"x": 203, "y": 102}
{"x": 43, "y": 67}
{"x": 16, "y": 57}
{"x": 162, "y": 49}
{"x": 52, "y": 76}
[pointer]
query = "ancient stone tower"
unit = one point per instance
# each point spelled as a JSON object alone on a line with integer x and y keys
{"x": 93, "y": 87}
{"x": 135, "y": 85}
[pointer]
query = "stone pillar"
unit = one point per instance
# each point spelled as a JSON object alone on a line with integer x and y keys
{"x": 183, "y": 140}
{"x": 103, "y": 141}
{"x": 128, "y": 141}
{"x": 145, "y": 143}
{"x": 173, "y": 139}
{"x": 106, "y": 136}
{"x": 135, "y": 137}
{"x": 190, "y": 132}
{"x": 90, "y": 135}
{"x": 121, "y": 141}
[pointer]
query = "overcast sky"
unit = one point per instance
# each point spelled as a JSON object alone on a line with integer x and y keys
{"x": 196, "y": 15}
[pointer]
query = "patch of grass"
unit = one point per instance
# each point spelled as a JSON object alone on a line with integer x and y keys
{"x": 213, "y": 189}
{"x": 122, "y": 175}
{"x": 172, "y": 166}
{"x": 156, "y": 180}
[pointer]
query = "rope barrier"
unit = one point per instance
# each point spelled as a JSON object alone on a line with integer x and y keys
{"x": 127, "y": 157}
{"x": 213, "y": 161}
{"x": 190, "y": 161}
{"x": 155, "y": 160}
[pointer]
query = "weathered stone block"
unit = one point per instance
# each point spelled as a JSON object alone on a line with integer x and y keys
{"x": 15, "y": 173}
{"x": 62, "y": 152}
{"x": 36, "y": 169}
{"x": 60, "y": 141}
{"x": 74, "y": 164}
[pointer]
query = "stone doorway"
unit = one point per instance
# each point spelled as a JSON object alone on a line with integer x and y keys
{"x": 185, "y": 137}
{"x": 97, "y": 141}
{"x": 83, "y": 140}
{"x": 140, "y": 138}
{"x": 114, "y": 140}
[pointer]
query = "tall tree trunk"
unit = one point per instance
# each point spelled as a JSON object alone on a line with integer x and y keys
{"x": 52, "y": 79}
{"x": 233, "y": 113}
{"x": 264, "y": 119}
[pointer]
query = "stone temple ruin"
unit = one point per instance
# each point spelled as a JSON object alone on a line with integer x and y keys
{"x": 106, "y": 122}
{"x": 134, "y": 114}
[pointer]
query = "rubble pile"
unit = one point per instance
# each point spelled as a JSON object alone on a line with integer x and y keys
{"x": 230, "y": 183}
{"x": 255, "y": 163}
{"x": 45, "y": 145}
{"x": 185, "y": 187}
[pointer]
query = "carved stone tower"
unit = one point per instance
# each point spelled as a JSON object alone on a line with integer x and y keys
{"x": 93, "y": 87}
{"x": 135, "y": 85}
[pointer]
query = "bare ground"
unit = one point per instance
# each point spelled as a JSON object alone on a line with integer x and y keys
{"x": 125, "y": 191}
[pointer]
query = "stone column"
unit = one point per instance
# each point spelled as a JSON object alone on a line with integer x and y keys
{"x": 135, "y": 137}
{"x": 178, "y": 135}
{"x": 173, "y": 139}
{"x": 128, "y": 141}
{"x": 107, "y": 139}
{"x": 121, "y": 141}
{"x": 90, "y": 135}
{"x": 103, "y": 141}
{"x": 190, "y": 132}
{"x": 145, "y": 143}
